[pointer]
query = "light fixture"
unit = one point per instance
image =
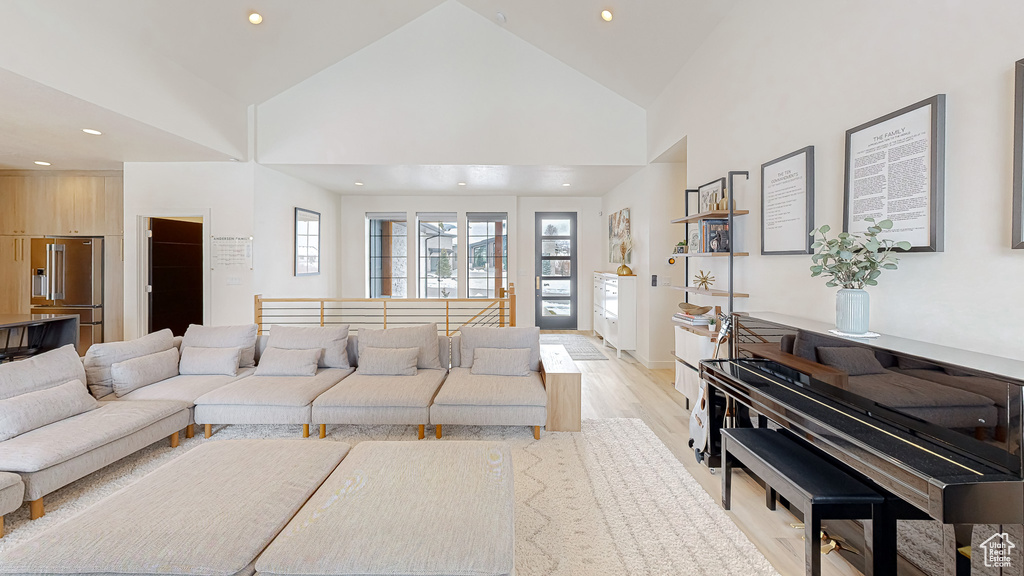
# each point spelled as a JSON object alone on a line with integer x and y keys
{"x": 91, "y": 131}
{"x": 359, "y": 183}
{"x": 606, "y": 15}
{"x": 501, "y": 18}
{"x": 255, "y": 18}
{"x": 566, "y": 184}
{"x": 462, "y": 183}
{"x": 41, "y": 163}
{"x": 233, "y": 159}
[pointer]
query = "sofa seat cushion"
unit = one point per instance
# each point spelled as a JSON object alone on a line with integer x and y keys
{"x": 209, "y": 512}
{"x": 463, "y": 388}
{"x": 378, "y": 391}
{"x": 12, "y": 492}
{"x": 40, "y": 372}
{"x": 186, "y": 387}
{"x": 275, "y": 390}
{"x": 61, "y": 441}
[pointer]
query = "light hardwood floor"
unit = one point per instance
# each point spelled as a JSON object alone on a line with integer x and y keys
{"x": 626, "y": 389}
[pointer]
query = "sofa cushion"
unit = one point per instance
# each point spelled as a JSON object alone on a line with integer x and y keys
{"x": 388, "y": 361}
{"x": 501, "y": 361}
{"x": 187, "y": 387}
{"x": 209, "y": 360}
{"x": 333, "y": 340}
{"x": 40, "y": 372}
{"x": 422, "y": 337}
{"x": 462, "y": 387}
{"x": 74, "y": 436}
{"x": 379, "y": 391}
{"x": 854, "y": 360}
{"x": 474, "y": 337}
{"x": 285, "y": 362}
{"x": 143, "y": 371}
{"x": 274, "y": 390}
{"x": 36, "y": 409}
{"x": 100, "y": 357}
{"x": 243, "y": 336}
{"x": 12, "y": 492}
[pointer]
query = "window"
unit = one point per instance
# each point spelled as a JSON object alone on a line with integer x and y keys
{"x": 388, "y": 239}
{"x": 487, "y": 254}
{"x": 438, "y": 255}
{"x": 307, "y": 242}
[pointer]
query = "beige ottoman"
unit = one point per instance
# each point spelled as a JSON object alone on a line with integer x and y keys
{"x": 405, "y": 508}
{"x": 207, "y": 513}
{"x": 12, "y": 492}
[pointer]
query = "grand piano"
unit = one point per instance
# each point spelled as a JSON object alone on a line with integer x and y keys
{"x": 936, "y": 428}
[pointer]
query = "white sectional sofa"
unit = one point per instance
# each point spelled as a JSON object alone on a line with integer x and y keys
{"x": 12, "y": 494}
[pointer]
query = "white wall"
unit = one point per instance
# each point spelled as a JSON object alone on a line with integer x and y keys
{"x": 790, "y": 74}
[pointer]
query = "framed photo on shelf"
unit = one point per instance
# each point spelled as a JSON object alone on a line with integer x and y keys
{"x": 710, "y": 194}
{"x": 895, "y": 170}
{"x": 1017, "y": 241}
{"x": 787, "y": 203}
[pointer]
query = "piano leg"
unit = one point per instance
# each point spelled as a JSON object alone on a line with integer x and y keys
{"x": 812, "y": 542}
{"x": 880, "y": 540}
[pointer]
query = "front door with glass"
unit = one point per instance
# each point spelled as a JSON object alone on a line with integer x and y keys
{"x": 555, "y": 284}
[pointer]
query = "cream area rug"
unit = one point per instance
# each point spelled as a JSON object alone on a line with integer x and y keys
{"x": 610, "y": 500}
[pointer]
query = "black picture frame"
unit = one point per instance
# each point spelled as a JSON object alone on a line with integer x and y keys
{"x": 307, "y": 252}
{"x": 1017, "y": 227}
{"x": 808, "y": 168}
{"x": 707, "y": 189}
{"x": 936, "y": 174}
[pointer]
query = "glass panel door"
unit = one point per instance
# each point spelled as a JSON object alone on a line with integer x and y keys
{"x": 555, "y": 285}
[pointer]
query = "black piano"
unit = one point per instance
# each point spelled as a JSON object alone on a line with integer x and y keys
{"x": 936, "y": 428}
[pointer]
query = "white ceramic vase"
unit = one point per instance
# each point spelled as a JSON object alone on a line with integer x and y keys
{"x": 852, "y": 310}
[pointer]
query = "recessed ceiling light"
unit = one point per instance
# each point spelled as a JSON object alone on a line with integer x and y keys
{"x": 606, "y": 15}
{"x": 255, "y": 18}
{"x": 359, "y": 183}
{"x": 462, "y": 183}
{"x": 566, "y": 184}
{"x": 501, "y": 18}
{"x": 234, "y": 159}
{"x": 41, "y": 163}
{"x": 91, "y": 131}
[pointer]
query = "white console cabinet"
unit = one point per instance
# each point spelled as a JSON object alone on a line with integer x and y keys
{"x": 615, "y": 310}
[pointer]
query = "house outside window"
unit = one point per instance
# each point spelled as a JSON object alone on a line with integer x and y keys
{"x": 387, "y": 238}
{"x": 438, "y": 255}
{"x": 487, "y": 254}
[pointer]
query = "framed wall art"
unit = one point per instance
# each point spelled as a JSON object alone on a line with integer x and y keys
{"x": 307, "y": 242}
{"x": 895, "y": 170}
{"x": 787, "y": 203}
{"x": 710, "y": 194}
{"x": 1017, "y": 241}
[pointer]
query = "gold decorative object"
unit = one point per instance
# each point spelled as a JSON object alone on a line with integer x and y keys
{"x": 693, "y": 309}
{"x": 625, "y": 246}
{"x": 703, "y": 280}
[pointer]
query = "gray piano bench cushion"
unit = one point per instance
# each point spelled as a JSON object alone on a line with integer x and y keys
{"x": 854, "y": 360}
{"x": 37, "y": 409}
{"x": 12, "y": 492}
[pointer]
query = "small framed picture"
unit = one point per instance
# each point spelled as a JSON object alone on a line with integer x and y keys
{"x": 711, "y": 194}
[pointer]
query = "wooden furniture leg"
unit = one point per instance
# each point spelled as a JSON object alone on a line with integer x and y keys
{"x": 422, "y": 429}
{"x": 536, "y": 432}
{"x": 208, "y": 430}
{"x": 174, "y": 440}
{"x": 323, "y": 430}
{"x": 1, "y": 526}
{"x": 190, "y": 430}
{"x": 305, "y": 430}
{"x": 35, "y": 509}
{"x": 438, "y": 430}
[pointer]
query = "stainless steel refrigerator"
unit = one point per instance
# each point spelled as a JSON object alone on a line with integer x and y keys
{"x": 67, "y": 278}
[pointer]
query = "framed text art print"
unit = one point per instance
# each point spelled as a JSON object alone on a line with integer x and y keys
{"x": 787, "y": 203}
{"x": 895, "y": 167}
{"x": 1017, "y": 241}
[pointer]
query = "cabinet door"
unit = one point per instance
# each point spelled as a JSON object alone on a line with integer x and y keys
{"x": 88, "y": 197}
{"x": 113, "y": 288}
{"x": 13, "y": 207}
{"x": 114, "y": 192}
{"x": 48, "y": 213}
{"x": 15, "y": 275}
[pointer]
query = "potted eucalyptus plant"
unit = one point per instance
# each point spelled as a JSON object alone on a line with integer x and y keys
{"x": 853, "y": 261}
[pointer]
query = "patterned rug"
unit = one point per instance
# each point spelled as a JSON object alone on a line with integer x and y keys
{"x": 579, "y": 347}
{"x": 610, "y": 500}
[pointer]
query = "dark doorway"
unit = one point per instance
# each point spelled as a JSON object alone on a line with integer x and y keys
{"x": 555, "y": 287}
{"x": 175, "y": 274}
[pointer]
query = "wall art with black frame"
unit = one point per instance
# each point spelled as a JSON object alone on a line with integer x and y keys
{"x": 1017, "y": 241}
{"x": 787, "y": 203}
{"x": 895, "y": 170}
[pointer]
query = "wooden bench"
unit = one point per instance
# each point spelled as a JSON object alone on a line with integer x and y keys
{"x": 814, "y": 486}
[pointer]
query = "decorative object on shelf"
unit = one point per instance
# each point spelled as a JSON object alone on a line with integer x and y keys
{"x": 853, "y": 261}
{"x": 703, "y": 280}
{"x": 618, "y": 232}
{"x": 897, "y": 164}
{"x": 712, "y": 323}
{"x": 787, "y": 203}
{"x": 693, "y": 309}
{"x": 625, "y": 248}
{"x": 1017, "y": 241}
{"x": 681, "y": 247}
{"x": 709, "y": 194}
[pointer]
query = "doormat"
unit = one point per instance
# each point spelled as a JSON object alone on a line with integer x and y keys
{"x": 578, "y": 347}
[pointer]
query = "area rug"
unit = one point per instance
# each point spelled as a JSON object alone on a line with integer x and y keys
{"x": 610, "y": 500}
{"x": 579, "y": 347}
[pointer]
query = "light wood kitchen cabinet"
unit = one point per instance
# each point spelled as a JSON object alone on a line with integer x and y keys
{"x": 13, "y": 205}
{"x": 113, "y": 288}
{"x": 114, "y": 192}
{"x": 16, "y": 272}
{"x": 47, "y": 212}
{"x": 51, "y": 205}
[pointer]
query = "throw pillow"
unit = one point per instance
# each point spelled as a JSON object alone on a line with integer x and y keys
{"x": 285, "y": 362}
{"x": 479, "y": 337}
{"x": 40, "y": 372}
{"x": 333, "y": 340}
{"x": 243, "y": 337}
{"x": 33, "y": 410}
{"x": 422, "y": 337}
{"x": 388, "y": 361}
{"x": 143, "y": 371}
{"x": 853, "y": 360}
{"x": 501, "y": 361}
{"x": 100, "y": 357}
{"x": 196, "y": 360}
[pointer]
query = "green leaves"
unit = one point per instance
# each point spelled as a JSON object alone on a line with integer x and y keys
{"x": 854, "y": 260}
{"x": 903, "y": 245}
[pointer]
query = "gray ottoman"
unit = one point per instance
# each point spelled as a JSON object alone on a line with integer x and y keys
{"x": 12, "y": 492}
{"x": 405, "y": 508}
{"x": 207, "y": 513}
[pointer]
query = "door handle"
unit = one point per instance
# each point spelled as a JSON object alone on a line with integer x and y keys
{"x": 58, "y": 251}
{"x": 49, "y": 272}
{"x": 538, "y": 282}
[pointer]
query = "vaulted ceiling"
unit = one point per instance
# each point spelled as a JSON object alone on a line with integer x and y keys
{"x": 186, "y": 80}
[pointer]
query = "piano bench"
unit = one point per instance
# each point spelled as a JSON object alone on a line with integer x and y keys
{"x": 817, "y": 488}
